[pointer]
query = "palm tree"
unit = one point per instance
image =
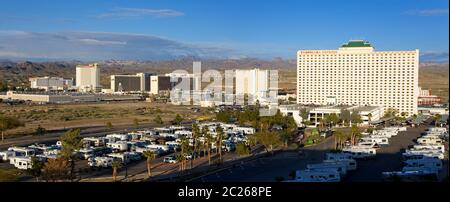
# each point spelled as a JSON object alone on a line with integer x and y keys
{"x": 208, "y": 141}
{"x": 184, "y": 151}
{"x": 195, "y": 135}
{"x": 370, "y": 117}
{"x": 115, "y": 166}
{"x": 219, "y": 139}
{"x": 180, "y": 159}
{"x": 150, "y": 155}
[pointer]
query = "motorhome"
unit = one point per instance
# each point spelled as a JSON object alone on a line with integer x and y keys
{"x": 118, "y": 146}
{"x": 361, "y": 152}
{"x": 428, "y": 163}
{"x": 437, "y": 129}
{"x": 429, "y": 140}
{"x": 118, "y": 137}
{"x": 141, "y": 150}
{"x": 410, "y": 176}
{"x": 101, "y": 162}
{"x": 21, "y": 162}
{"x": 85, "y": 153}
{"x": 440, "y": 147}
{"x": 245, "y": 130}
{"x": 164, "y": 130}
{"x": 424, "y": 153}
{"x": 173, "y": 145}
{"x": 95, "y": 141}
{"x": 22, "y": 151}
{"x": 6, "y": 155}
{"x": 375, "y": 139}
{"x": 350, "y": 163}
{"x": 341, "y": 167}
{"x": 316, "y": 176}
{"x": 338, "y": 156}
{"x": 183, "y": 133}
{"x": 162, "y": 147}
{"x": 121, "y": 156}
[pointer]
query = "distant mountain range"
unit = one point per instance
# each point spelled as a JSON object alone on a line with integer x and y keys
{"x": 17, "y": 73}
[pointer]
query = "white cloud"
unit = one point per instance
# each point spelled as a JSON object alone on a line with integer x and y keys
{"x": 428, "y": 12}
{"x": 140, "y": 12}
{"x": 101, "y": 43}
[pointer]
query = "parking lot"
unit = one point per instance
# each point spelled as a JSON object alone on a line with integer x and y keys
{"x": 388, "y": 158}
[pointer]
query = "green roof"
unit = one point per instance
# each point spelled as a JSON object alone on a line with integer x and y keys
{"x": 356, "y": 43}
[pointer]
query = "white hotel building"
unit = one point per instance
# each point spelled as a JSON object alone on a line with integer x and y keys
{"x": 88, "y": 78}
{"x": 355, "y": 74}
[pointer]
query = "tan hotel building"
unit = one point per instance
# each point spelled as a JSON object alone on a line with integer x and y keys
{"x": 356, "y": 74}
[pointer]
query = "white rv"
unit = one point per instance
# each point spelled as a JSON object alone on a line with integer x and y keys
{"x": 162, "y": 147}
{"x": 316, "y": 176}
{"x": 360, "y": 152}
{"x": 375, "y": 139}
{"x": 428, "y": 163}
{"x": 429, "y": 140}
{"x": 439, "y": 147}
{"x": 22, "y": 151}
{"x": 338, "y": 156}
{"x": 341, "y": 167}
{"x": 350, "y": 163}
{"x": 409, "y": 153}
{"x": 6, "y": 155}
{"x": 101, "y": 162}
{"x": 21, "y": 162}
{"x": 119, "y": 145}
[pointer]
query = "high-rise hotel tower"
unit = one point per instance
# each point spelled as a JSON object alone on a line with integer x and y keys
{"x": 356, "y": 74}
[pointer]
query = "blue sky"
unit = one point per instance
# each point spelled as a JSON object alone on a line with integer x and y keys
{"x": 113, "y": 29}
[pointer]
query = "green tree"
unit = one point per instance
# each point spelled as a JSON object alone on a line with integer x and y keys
{"x": 355, "y": 134}
{"x": 184, "y": 151}
{"x": 339, "y": 137}
{"x": 345, "y": 117}
{"x": 304, "y": 113}
{"x": 158, "y": 120}
{"x": 436, "y": 119}
{"x": 116, "y": 164}
{"x": 178, "y": 119}
{"x": 57, "y": 169}
{"x": 242, "y": 149}
{"x": 71, "y": 141}
{"x": 7, "y": 123}
{"x": 269, "y": 140}
{"x": 355, "y": 118}
{"x": 150, "y": 155}
{"x": 369, "y": 116}
{"x": 36, "y": 167}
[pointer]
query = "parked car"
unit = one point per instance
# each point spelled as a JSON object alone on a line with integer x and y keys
{"x": 170, "y": 159}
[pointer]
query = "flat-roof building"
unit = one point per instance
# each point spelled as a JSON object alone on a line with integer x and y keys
{"x": 356, "y": 74}
{"x": 51, "y": 83}
{"x": 88, "y": 78}
{"x": 131, "y": 83}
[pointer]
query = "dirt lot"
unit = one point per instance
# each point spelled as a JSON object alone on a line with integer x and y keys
{"x": 53, "y": 117}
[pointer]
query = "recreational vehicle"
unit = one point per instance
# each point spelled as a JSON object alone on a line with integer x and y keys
{"x": 338, "y": 156}
{"x": 428, "y": 163}
{"x": 429, "y": 140}
{"x": 350, "y": 163}
{"x": 316, "y": 176}
{"x": 375, "y": 139}
{"x": 22, "y": 151}
{"x": 430, "y": 147}
{"x": 162, "y": 147}
{"x": 360, "y": 152}
{"x": 100, "y": 162}
{"x": 21, "y": 162}
{"x": 6, "y": 155}
{"x": 118, "y": 146}
{"x": 424, "y": 153}
{"x": 341, "y": 167}
{"x": 409, "y": 176}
